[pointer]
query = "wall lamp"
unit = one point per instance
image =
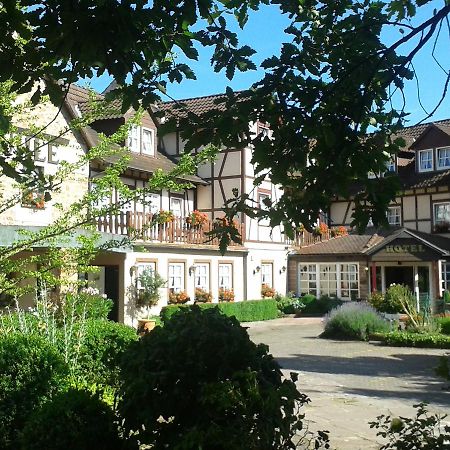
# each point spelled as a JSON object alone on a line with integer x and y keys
{"x": 192, "y": 270}
{"x": 283, "y": 269}
{"x": 257, "y": 270}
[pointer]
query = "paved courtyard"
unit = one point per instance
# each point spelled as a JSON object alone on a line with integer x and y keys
{"x": 350, "y": 383}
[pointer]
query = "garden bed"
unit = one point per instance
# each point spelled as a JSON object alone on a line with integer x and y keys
{"x": 409, "y": 339}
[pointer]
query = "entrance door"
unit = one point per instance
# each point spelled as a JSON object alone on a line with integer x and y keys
{"x": 400, "y": 275}
{"x": 112, "y": 290}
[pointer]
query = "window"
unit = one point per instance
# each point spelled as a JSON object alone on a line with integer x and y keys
{"x": 202, "y": 276}
{"x": 390, "y": 165}
{"x": 147, "y": 142}
{"x": 141, "y": 140}
{"x": 34, "y": 198}
{"x": 176, "y": 206}
{"x": 446, "y": 276}
{"x": 263, "y": 131}
{"x": 308, "y": 279}
{"x": 133, "y": 139}
{"x": 225, "y": 276}
{"x": 141, "y": 268}
{"x": 425, "y": 160}
{"x": 443, "y": 158}
{"x": 152, "y": 202}
{"x": 339, "y": 280}
{"x": 328, "y": 279}
{"x": 394, "y": 215}
{"x": 262, "y": 196}
{"x": 349, "y": 281}
{"x": 441, "y": 216}
{"x": 176, "y": 277}
{"x": 267, "y": 274}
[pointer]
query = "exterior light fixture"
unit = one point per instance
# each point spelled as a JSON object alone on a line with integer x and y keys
{"x": 283, "y": 269}
{"x": 257, "y": 270}
{"x": 192, "y": 270}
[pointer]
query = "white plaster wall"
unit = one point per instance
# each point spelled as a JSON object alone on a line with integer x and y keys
{"x": 259, "y": 253}
{"x": 162, "y": 258}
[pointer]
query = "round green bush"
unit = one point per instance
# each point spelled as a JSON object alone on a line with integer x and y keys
{"x": 72, "y": 420}
{"x": 389, "y": 302}
{"x": 200, "y": 382}
{"x": 102, "y": 349}
{"x": 31, "y": 370}
{"x": 354, "y": 321}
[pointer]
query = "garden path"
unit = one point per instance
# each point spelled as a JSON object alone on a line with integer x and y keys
{"x": 350, "y": 383}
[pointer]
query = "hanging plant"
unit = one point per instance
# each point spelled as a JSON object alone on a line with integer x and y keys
{"x": 196, "y": 218}
{"x": 339, "y": 231}
{"x": 178, "y": 297}
{"x": 163, "y": 217}
{"x": 320, "y": 229}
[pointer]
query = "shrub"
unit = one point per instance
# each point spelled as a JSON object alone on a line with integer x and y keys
{"x": 424, "y": 431}
{"x": 391, "y": 302}
{"x": 31, "y": 370}
{"x": 202, "y": 296}
{"x": 102, "y": 349}
{"x": 267, "y": 291}
{"x": 226, "y": 295}
{"x": 72, "y": 420}
{"x": 319, "y": 306}
{"x": 407, "y": 339}
{"x": 248, "y": 311}
{"x": 288, "y": 304}
{"x": 444, "y": 323}
{"x": 353, "y": 321}
{"x": 200, "y": 382}
{"x": 95, "y": 305}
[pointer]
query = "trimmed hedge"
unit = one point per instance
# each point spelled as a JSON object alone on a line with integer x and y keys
{"x": 444, "y": 323}
{"x": 405, "y": 339}
{"x": 319, "y": 306}
{"x": 246, "y": 311}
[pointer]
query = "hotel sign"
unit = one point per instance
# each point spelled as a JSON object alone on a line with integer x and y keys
{"x": 406, "y": 248}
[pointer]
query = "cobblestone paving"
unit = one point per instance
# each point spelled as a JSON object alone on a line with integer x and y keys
{"x": 350, "y": 383}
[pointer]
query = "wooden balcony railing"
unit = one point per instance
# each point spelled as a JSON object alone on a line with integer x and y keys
{"x": 305, "y": 238}
{"x": 140, "y": 225}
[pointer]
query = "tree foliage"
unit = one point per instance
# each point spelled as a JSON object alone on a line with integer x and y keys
{"x": 331, "y": 84}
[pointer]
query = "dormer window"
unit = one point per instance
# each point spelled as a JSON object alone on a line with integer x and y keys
{"x": 443, "y": 158}
{"x": 141, "y": 140}
{"x": 425, "y": 160}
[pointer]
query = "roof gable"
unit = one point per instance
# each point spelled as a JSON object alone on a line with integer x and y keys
{"x": 435, "y": 135}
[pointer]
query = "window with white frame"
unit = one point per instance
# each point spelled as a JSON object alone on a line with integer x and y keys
{"x": 442, "y": 214}
{"x": 176, "y": 277}
{"x": 225, "y": 276}
{"x": 134, "y": 138}
{"x": 152, "y": 202}
{"x": 202, "y": 276}
{"x": 425, "y": 160}
{"x": 339, "y": 280}
{"x": 443, "y": 158}
{"x": 144, "y": 267}
{"x": 446, "y": 276}
{"x": 328, "y": 282}
{"x": 393, "y": 215}
{"x": 176, "y": 206}
{"x": 141, "y": 140}
{"x": 349, "y": 281}
{"x": 267, "y": 274}
{"x": 308, "y": 279}
{"x": 390, "y": 165}
{"x": 148, "y": 146}
{"x": 262, "y": 196}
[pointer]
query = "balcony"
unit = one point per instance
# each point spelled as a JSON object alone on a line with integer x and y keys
{"x": 142, "y": 227}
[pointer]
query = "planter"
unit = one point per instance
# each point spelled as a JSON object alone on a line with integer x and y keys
{"x": 145, "y": 326}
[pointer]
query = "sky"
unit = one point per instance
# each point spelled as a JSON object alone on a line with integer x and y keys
{"x": 264, "y": 32}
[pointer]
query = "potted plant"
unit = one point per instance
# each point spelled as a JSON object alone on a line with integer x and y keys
{"x": 202, "y": 296}
{"x": 178, "y": 298}
{"x": 34, "y": 200}
{"x": 163, "y": 217}
{"x": 267, "y": 291}
{"x": 339, "y": 231}
{"x": 196, "y": 218}
{"x": 321, "y": 229}
{"x": 226, "y": 295}
{"x": 148, "y": 284}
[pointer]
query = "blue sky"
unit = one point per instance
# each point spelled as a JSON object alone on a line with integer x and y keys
{"x": 264, "y": 33}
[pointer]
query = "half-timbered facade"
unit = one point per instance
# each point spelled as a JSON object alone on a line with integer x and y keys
{"x": 414, "y": 251}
